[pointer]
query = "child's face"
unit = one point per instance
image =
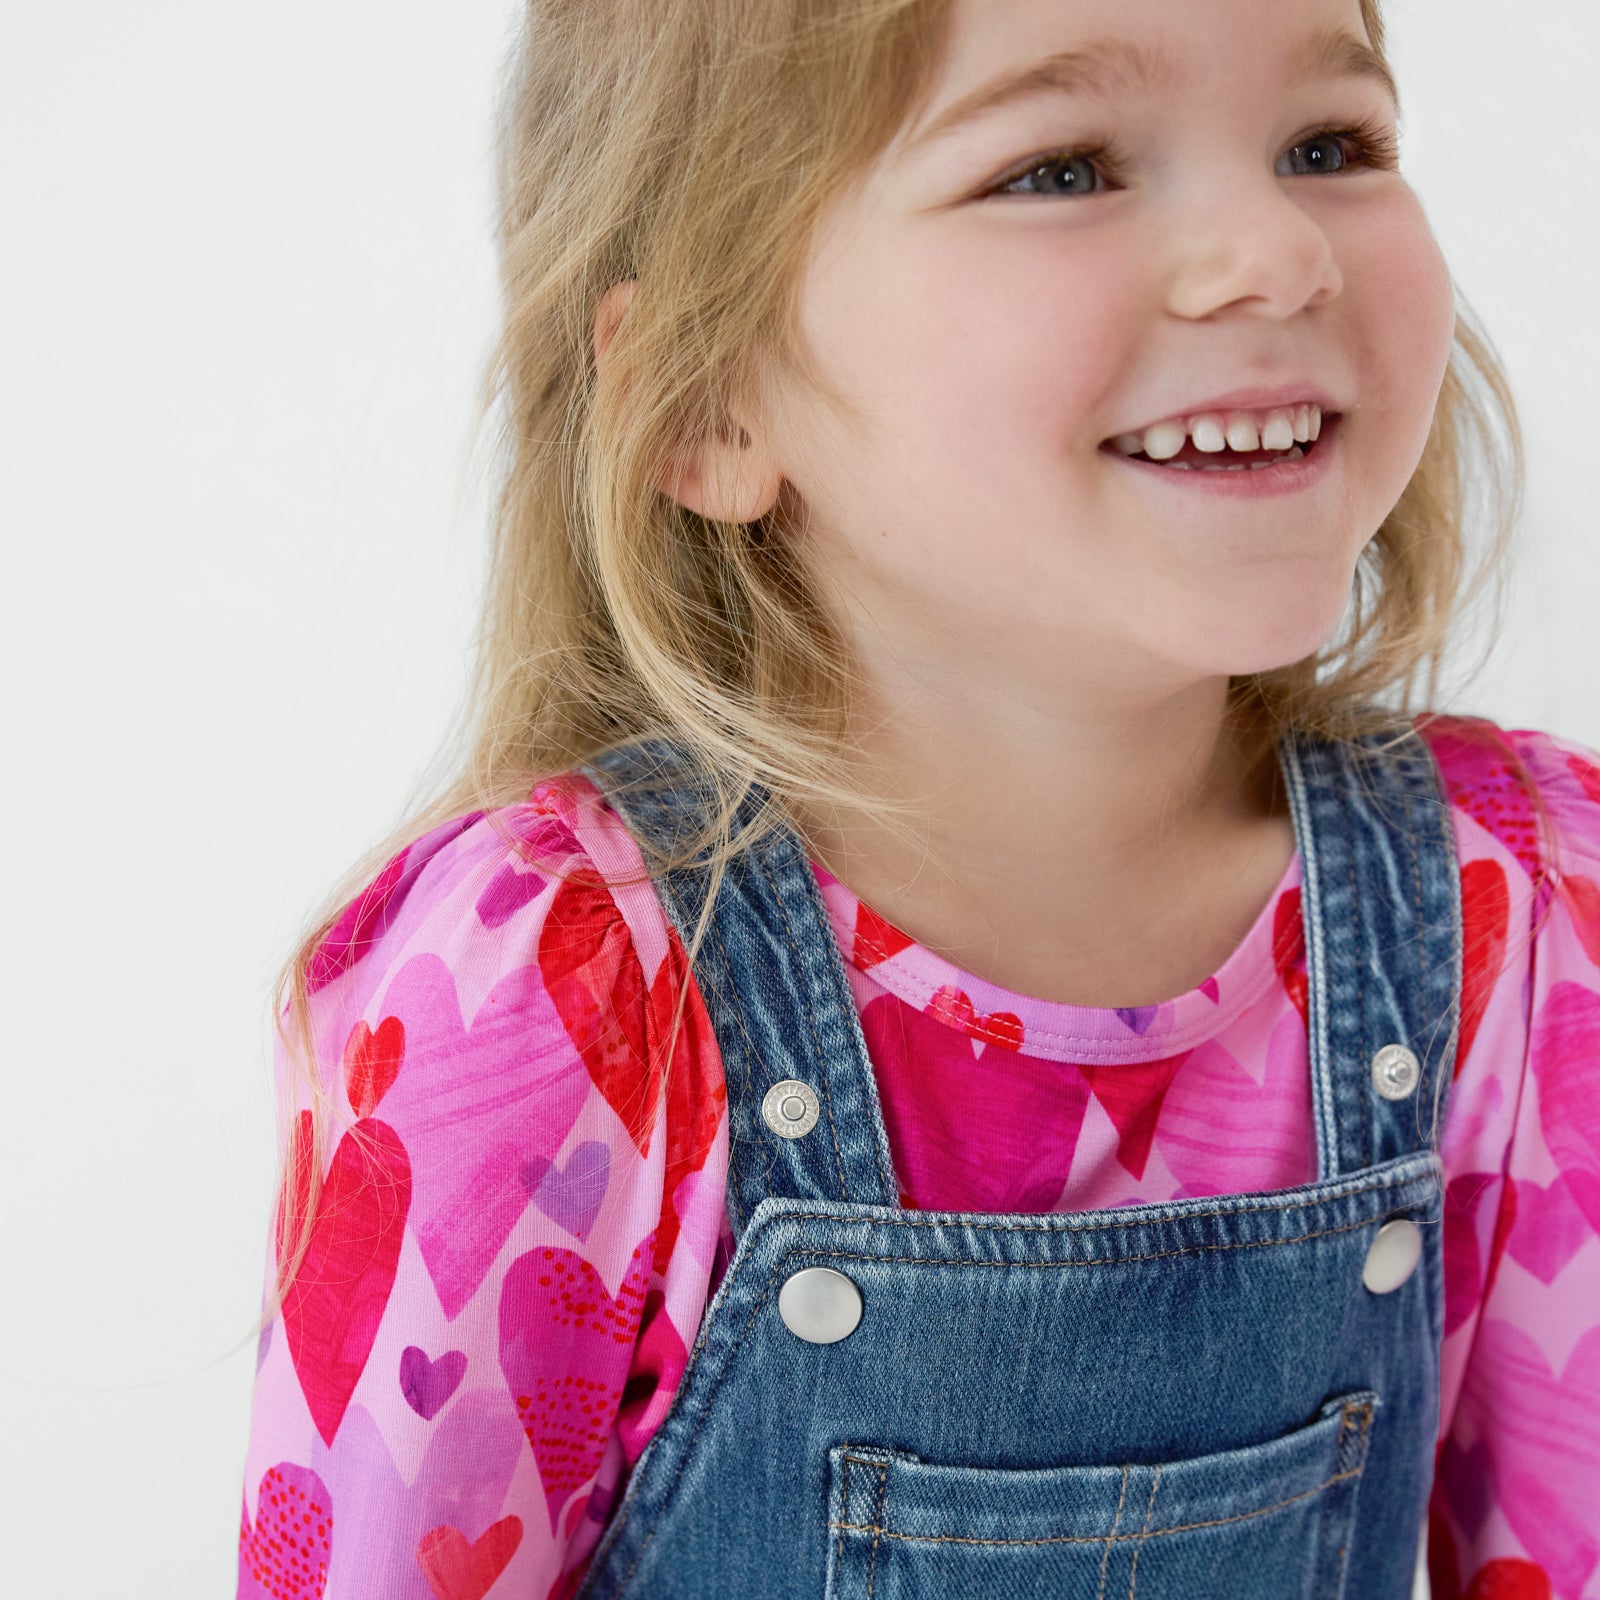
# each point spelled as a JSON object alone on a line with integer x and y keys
{"x": 996, "y": 344}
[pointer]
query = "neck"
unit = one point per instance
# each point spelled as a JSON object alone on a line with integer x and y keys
{"x": 1069, "y": 857}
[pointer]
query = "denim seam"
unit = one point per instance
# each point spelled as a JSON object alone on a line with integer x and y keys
{"x": 1144, "y": 1533}
{"x": 811, "y": 1017}
{"x": 1364, "y": 1411}
{"x": 1096, "y": 1538}
{"x": 910, "y": 1219}
{"x": 839, "y": 966}
{"x": 1312, "y": 900}
{"x": 1092, "y": 1261}
{"x": 1364, "y": 1156}
{"x": 1422, "y": 950}
{"x": 844, "y": 1515}
{"x": 747, "y": 1055}
{"x": 881, "y": 1530}
{"x": 1116, "y": 1518}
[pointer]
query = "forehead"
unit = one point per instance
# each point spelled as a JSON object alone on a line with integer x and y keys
{"x": 1002, "y": 52}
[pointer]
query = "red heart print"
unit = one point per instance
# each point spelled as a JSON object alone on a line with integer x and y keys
{"x": 1582, "y": 899}
{"x": 372, "y": 1062}
{"x": 1587, "y": 774}
{"x": 1289, "y": 949}
{"x": 696, "y": 1090}
{"x": 459, "y": 1570}
{"x": 332, "y": 1309}
{"x": 1485, "y": 921}
{"x": 876, "y": 938}
{"x": 1130, "y": 1093}
{"x": 284, "y": 1556}
{"x": 1509, "y": 1578}
{"x": 591, "y": 973}
{"x": 954, "y": 1006}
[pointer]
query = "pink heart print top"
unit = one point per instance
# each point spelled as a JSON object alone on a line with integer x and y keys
{"x": 519, "y": 1232}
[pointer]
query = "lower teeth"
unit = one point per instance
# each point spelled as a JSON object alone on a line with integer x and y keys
{"x": 1295, "y": 454}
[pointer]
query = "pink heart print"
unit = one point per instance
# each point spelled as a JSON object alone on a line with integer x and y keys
{"x": 1549, "y": 1228}
{"x": 565, "y": 1348}
{"x": 284, "y": 1554}
{"x": 1566, "y": 1044}
{"x": 376, "y": 1555}
{"x": 1475, "y": 1204}
{"x": 475, "y": 1096}
{"x": 1220, "y": 1131}
{"x": 933, "y": 1082}
{"x": 1551, "y": 1420}
{"x": 332, "y": 1309}
{"x": 510, "y": 889}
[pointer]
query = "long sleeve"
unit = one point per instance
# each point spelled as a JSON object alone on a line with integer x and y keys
{"x": 516, "y": 1231}
{"x": 1516, "y": 1504}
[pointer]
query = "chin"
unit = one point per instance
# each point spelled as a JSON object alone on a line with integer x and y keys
{"x": 1277, "y": 632}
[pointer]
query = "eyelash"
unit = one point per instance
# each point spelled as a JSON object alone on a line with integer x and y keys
{"x": 1374, "y": 146}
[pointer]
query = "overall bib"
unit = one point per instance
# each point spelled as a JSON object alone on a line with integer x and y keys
{"x": 1231, "y": 1396}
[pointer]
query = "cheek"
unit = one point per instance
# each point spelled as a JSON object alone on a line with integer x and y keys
{"x": 1406, "y": 313}
{"x": 991, "y": 349}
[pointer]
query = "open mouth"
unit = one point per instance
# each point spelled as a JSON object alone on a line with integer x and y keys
{"x": 1189, "y": 456}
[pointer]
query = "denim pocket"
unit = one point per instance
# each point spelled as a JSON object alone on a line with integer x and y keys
{"x": 1266, "y": 1522}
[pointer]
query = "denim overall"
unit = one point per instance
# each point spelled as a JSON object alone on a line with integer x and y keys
{"x": 1232, "y": 1396}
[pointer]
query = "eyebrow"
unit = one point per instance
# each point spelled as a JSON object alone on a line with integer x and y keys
{"x": 1107, "y": 65}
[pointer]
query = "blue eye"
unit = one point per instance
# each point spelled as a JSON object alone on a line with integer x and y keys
{"x": 1067, "y": 174}
{"x": 1326, "y": 152}
{"x": 1322, "y": 154}
{"x": 1077, "y": 170}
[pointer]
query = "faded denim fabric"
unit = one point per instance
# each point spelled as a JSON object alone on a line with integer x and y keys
{"x": 1172, "y": 1401}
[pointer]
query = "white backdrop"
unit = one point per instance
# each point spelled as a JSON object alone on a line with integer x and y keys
{"x": 246, "y": 288}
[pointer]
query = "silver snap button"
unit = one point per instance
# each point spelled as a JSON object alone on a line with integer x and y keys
{"x": 1395, "y": 1072}
{"x": 790, "y": 1108}
{"x": 1393, "y": 1256}
{"x": 819, "y": 1305}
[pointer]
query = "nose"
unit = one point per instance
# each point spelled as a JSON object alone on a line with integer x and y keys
{"x": 1255, "y": 248}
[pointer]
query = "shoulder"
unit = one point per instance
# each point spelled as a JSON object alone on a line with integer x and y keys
{"x": 516, "y": 943}
{"x": 1527, "y": 796}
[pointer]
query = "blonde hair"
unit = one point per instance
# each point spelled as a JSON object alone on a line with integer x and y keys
{"x": 692, "y": 146}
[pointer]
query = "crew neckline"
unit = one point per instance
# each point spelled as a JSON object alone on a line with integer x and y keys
{"x": 1055, "y": 1029}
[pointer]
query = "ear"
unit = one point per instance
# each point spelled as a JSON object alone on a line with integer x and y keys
{"x": 731, "y": 479}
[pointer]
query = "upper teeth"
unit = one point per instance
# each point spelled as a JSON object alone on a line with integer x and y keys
{"x": 1279, "y": 429}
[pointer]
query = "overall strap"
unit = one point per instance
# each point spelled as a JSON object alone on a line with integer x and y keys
{"x": 1382, "y": 913}
{"x": 774, "y": 986}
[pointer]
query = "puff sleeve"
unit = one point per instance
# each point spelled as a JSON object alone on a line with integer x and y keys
{"x": 1515, "y": 1509}
{"x": 517, "y": 1227}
